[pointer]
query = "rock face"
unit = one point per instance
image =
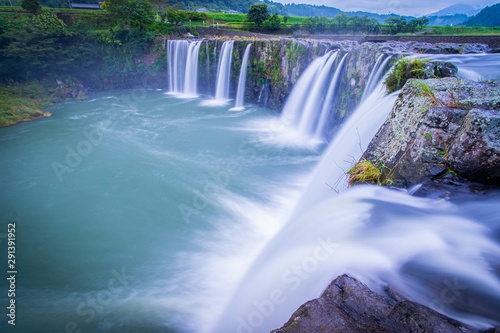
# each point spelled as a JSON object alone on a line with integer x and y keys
{"x": 439, "y": 126}
{"x": 349, "y": 306}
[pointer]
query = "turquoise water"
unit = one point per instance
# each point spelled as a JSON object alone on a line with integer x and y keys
{"x": 109, "y": 192}
{"x": 138, "y": 211}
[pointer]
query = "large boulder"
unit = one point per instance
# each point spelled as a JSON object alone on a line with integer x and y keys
{"x": 439, "y": 126}
{"x": 349, "y": 306}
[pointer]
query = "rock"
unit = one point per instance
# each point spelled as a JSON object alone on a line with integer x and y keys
{"x": 475, "y": 151}
{"x": 454, "y": 188}
{"x": 444, "y": 69}
{"x": 440, "y": 125}
{"x": 349, "y": 306}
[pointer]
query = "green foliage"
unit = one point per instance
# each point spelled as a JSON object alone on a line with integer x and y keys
{"x": 176, "y": 16}
{"x": 32, "y": 6}
{"x": 399, "y": 24}
{"x": 136, "y": 13}
{"x": 488, "y": 17}
{"x": 36, "y": 46}
{"x": 227, "y": 17}
{"x": 22, "y": 102}
{"x": 49, "y": 24}
{"x": 405, "y": 69}
{"x": 341, "y": 24}
{"x": 463, "y": 31}
{"x": 257, "y": 14}
{"x": 273, "y": 23}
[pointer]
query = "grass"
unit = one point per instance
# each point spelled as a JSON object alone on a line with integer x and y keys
{"x": 22, "y": 102}
{"x": 463, "y": 31}
{"x": 404, "y": 70}
{"x": 364, "y": 172}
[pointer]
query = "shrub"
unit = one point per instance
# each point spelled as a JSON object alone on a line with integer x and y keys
{"x": 404, "y": 70}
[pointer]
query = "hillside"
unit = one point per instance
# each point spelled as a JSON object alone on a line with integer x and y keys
{"x": 448, "y": 20}
{"x": 310, "y": 10}
{"x": 488, "y": 17}
{"x": 459, "y": 8}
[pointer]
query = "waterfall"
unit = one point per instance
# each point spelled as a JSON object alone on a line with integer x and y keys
{"x": 377, "y": 71}
{"x": 308, "y": 98}
{"x": 224, "y": 72}
{"x": 327, "y": 104}
{"x": 240, "y": 95}
{"x": 370, "y": 232}
{"x": 176, "y": 57}
{"x": 191, "y": 77}
{"x": 182, "y": 58}
{"x": 347, "y": 147}
{"x": 380, "y": 236}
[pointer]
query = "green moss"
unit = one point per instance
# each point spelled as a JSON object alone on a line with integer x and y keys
{"x": 404, "y": 70}
{"x": 364, "y": 172}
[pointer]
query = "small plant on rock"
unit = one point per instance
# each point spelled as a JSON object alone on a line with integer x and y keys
{"x": 364, "y": 172}
{"x": 404, "y": 70}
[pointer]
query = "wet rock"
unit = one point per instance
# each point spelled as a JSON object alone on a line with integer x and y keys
{"x": 441, "y": 125}
{"x": 349, "y": 306}
{"x": 454, "y": 188}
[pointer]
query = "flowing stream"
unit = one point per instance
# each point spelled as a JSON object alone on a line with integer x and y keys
{"x": 138, "y": 211}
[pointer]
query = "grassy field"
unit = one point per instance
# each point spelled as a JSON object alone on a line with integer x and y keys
{"x": 22, "y": 102}
{"x": 464, "y": 31}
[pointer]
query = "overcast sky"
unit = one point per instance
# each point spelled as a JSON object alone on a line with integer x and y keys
{"x": 402, "y": 7}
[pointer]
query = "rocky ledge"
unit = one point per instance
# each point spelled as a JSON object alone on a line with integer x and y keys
{"x": 438, "y": 127}
{"x": 349, "y": 306}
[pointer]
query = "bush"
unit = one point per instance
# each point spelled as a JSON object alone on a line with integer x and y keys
{"x": 404, "y": 70}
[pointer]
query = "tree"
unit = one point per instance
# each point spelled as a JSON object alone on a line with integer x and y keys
{"x": 422, "y": 22}
{"x": 257, "y": 14}
{"x": 176, "y": 16}
{"x": 341, "y": 20}
{"x": 273, "y": 23}
{"x": 32, "y": 6}
{"x": 396, "y": 24}
{"x": 285, "y": 19}
{"x": 135, "y": 12}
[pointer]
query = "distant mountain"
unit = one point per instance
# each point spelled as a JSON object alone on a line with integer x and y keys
{"x": 379, "y": 17}
{"x": 488, "y": 17}
{"x": 457, "y": 19}
{"x": 311, "y": 10}
{"x": 459, "y": 8}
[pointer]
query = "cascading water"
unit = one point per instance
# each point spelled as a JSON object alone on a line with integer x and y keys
{"x": 224, "y": 72}
{"x": 183, "y": 67}
{"x": 240, "y": 95}
{"x": 176, "y": 57}
{"x": 375, "y": 75}
{"x": 191, "y": 77}
{"x": 327, "y": 104}
{"x": 418, "y": 246}
{"x": 307, "y": 99}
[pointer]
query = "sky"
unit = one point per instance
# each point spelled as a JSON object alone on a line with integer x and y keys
{"x": 401, "y": 7}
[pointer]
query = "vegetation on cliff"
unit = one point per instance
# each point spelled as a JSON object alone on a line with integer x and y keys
{"x": 488, "y": 17}
{"x": 404, "y": 70}
{"x": 23, "y": 102}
